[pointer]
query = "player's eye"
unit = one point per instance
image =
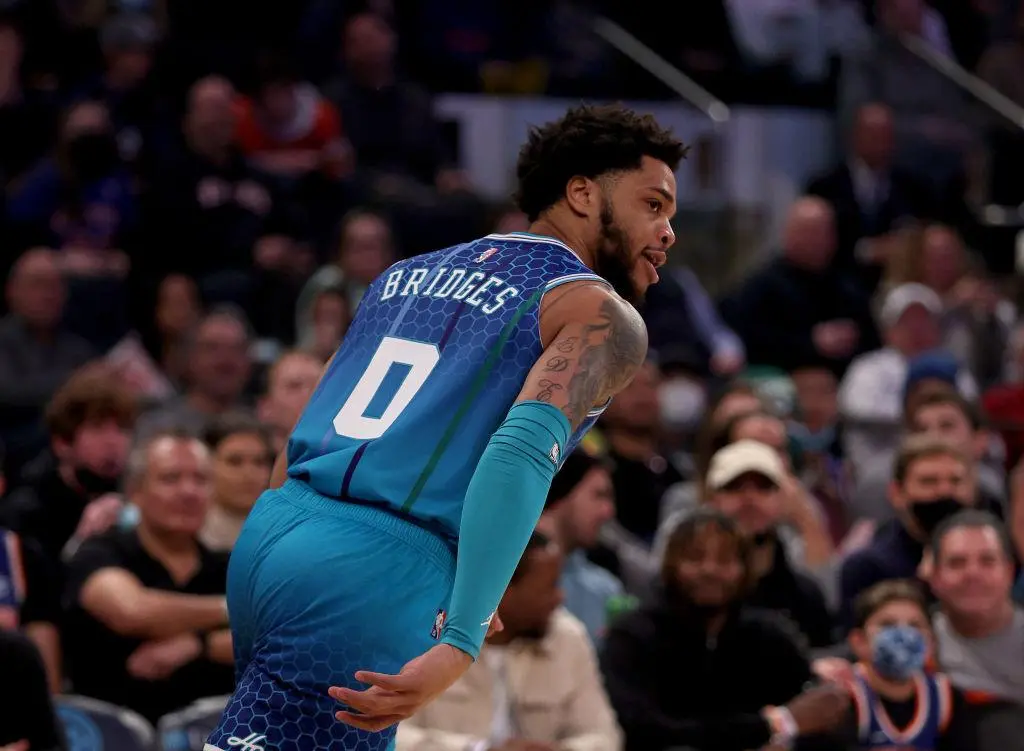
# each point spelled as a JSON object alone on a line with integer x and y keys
{"x": 655, "y": 204}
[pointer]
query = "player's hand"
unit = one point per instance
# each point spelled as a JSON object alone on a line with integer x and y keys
{"x": 155, "y": 660}
{"x": 393, "y": 698}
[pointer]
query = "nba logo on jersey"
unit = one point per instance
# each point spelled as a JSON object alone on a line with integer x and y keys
{"x": 438, "y": 625}
{"x": 486, "y": 254}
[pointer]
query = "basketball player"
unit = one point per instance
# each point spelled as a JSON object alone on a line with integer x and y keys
{"x": 418, "y": 470}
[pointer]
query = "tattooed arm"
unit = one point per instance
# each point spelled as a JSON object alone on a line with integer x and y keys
{"x": 595, "y": 344}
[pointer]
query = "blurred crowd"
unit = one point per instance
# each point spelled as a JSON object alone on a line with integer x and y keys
{"x": 817, "y": 478}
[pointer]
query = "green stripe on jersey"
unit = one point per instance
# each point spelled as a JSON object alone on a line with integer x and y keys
{"x": 474, "y": 390}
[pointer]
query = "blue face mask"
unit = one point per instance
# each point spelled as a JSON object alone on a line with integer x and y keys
{"x": 818, "y": 442}
{"x": 898, "y": 652}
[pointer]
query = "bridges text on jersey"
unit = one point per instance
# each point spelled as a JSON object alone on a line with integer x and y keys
{"x": 487, "y": 292}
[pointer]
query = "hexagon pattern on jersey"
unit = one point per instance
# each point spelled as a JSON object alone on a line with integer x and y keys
{"x": 427, "y": 456}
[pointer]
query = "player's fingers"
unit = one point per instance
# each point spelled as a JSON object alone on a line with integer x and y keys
{"x": 363, "y": 722}
{"x": 372, "y": 701}
{"x": 382, "y": 680}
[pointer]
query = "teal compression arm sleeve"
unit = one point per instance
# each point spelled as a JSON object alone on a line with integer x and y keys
{"x": 502, "y": 505}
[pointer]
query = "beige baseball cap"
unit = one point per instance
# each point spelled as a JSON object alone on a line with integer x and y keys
{"x": 903, "y": 297}
{"x": 742, "y": 457}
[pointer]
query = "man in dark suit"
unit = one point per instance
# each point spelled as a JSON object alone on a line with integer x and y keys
{"x": 870, "y": 196}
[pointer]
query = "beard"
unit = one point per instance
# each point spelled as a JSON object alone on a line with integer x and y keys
{"x": 613, "y": 258}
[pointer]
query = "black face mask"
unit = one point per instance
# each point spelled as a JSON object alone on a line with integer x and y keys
{"x": 92, "y": 155}
{"x": 95, "y": 484}
{"x": 930, "y": 514}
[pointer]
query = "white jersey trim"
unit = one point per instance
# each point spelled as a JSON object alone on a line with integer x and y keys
{"x": 582, "y": 276}
{"x": 526, "y": 237}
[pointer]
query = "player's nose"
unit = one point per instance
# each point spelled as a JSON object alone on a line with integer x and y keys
{"x": 668, "y": 238}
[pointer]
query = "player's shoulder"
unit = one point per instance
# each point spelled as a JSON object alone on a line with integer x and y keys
{"x": 597, "y": 307}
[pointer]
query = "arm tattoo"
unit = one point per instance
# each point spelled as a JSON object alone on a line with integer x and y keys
{"x": 567, "y": 345}
{"x": 556, "y": 364}
{"x": 547, "y": 390}
{"x": 612, "y": 347}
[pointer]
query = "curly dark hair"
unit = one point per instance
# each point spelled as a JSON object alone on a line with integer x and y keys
{"x": 588, "y": 141}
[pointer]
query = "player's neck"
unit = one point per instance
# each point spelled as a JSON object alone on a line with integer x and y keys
{"x": 552, "y": 226}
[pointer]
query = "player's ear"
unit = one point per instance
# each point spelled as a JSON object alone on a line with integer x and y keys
{"x": 581, "y": 195}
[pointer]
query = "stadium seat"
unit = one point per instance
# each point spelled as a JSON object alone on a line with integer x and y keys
{"x": 187, "y": 729}
{"x": 92, "y": 725}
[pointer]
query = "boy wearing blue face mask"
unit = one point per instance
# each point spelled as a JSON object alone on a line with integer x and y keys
{"x": 898, "y": 704}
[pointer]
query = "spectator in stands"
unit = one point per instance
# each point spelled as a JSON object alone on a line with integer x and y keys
{"x": 128, "y": 41}
{"x": 536, "y": 686}
{"x": 324, "y": 328}
{"x": 146, "y": 621}
{"x": 979, "y": 631}
{"x": 931, "y": 118}
{"x": 220, "y": 364}
{"x": 390, "y": 121}
{"x": 802, "y": 528}
{"x": 932, "y": 480}
{"x": 30, "y": 599}
{"x": 176, "y": 313}
{"x": 746, "y": 482}
{"x": 998, "y": 67}
{"x": 37, "y": 353}
{"x": 797, "y": 310}
{"x": 870, "y": 195}
{"x": 27, "y": 113}
{"x": 728, "y": 664}
{"x": 290, "y": 382}
{"x": 1004, "y": 403}
{"x": 402, "y": 158}
{"x": 90, "y": 422}
{"x": 894, "y": 699}
{"x": 242, "y": 458}
{"x": 641, "y": 475}
{"x": 209, "y": 207}
{"x": 288, "y": 128}
{"x": 945, "y": 415}
{"x": 365, "y": 248}
{"x": 580, "y": 501}
{"x": 976, "y": 320}
{"x": 679, "y": 314}
{"x": 82, "y": 202}
{"x": 872, "y": 393}
{"x": 29, "y": 722}
{"x": 814, "y": 427}
{"x": 79, "y": 199}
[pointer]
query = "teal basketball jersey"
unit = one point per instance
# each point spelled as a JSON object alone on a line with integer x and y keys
{"x": 435, "y": 357}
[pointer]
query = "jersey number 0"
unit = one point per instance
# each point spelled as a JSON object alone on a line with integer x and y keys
{"x": 420, "y": 359}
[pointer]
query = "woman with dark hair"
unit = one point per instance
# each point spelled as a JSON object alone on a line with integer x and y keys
{"x": 242, "y": 457}
{"x": 694, "y": 667}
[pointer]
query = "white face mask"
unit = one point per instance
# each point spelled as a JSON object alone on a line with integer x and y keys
{"x": 682, "y": 403}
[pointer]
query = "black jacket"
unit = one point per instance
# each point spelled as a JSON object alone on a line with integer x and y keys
{"x": 673, "y": 686}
